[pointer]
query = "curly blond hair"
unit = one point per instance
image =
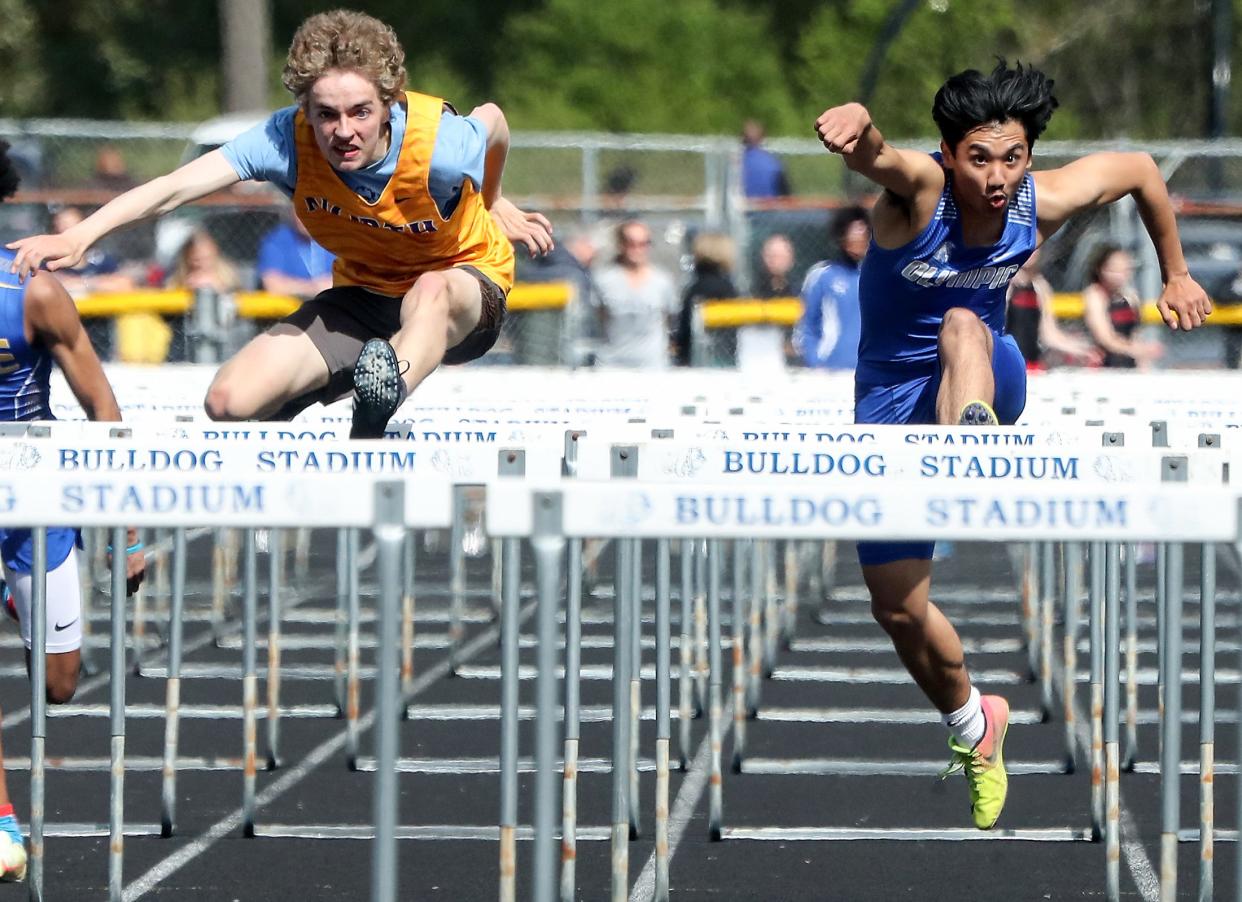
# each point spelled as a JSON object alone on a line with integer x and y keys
{"x": 344, "y": 39}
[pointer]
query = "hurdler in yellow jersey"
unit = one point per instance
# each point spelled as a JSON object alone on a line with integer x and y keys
{"x": 403, "y": 191}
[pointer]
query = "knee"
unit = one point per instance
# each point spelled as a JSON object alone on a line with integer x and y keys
{"x": 894, "y": 619}
{"x": 222, "y": 402}
{"x": 61, "y": 688}
{"x": 961, "y": 329}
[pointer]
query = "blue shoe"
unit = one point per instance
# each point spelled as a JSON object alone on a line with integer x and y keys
{"x": 378, "y": 389}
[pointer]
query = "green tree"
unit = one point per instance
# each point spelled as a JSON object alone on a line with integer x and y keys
{"x": 643, "y": 65}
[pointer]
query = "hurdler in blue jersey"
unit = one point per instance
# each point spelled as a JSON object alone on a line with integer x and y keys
{"x": 39, "y": 326}
{"x": 949, "y": 233}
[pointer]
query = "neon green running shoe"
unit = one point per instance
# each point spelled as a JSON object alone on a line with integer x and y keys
{"x": 984, "y": 766}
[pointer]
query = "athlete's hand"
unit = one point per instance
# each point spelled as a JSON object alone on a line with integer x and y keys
{"x": 56, "y": 251}
{"x": 1183, "y": 304}
{"x": 840, "y": 127}
{"x": 531, "y": 229}
{"x": 135, "y": 562}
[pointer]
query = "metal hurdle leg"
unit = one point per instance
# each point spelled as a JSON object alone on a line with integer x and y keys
{"x": 789, "y": 624}
{"x": 1131, "y": 752}
{"x": 250, "y": 679}
{"x": 38, "y": 709}
{"x": 457, "y": 578}
{"x": 1162, "y": 582}
{"x": 663, "y": 700}
{"x": 1047, "y": 616}
{"x": 1072, "y": 558}
{"x": 172, "y": 705}
{"x": 684, "y": 690}
{"x": 140, "y": 612}
{"x": 739, "y": 655}
{"x": 342, "y": 618}
{"x": 1095, "y": 626}
{"x": 1112, "y": 689}
{"x": 715, "y": 816}
{"x": 389, "y": 532}
{"x": 1171, "y": 726}
{"x": 548, "y": 544}
{"x": 771, "y": 609}
{"x": 755, "y": 675}
{"x": 90, "y": 541}
{"x": 509, "y": 720}
{"x": 408, "y": 565}
{"x": 636, "y": 669}
{"x": 1207, "y": 721}
{"x": 621, "y": 657}
{"x": 497, "y": 573}
{"x": 1030, "y": 605}
{"x": 700, "y": 627}
{"x": 116, "y": 819}
{"x": 301, "y": 553}
{"x": 274, "y": 572}
{"x": 219, "y": 583}
{"x": 353, "y": 683}
{"x": 573, "y": 694}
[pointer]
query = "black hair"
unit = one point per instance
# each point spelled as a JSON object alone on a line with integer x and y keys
{"x": 971, "y": 99}
{"x": 8, "y": 173}
{"x": 841, "y": 223}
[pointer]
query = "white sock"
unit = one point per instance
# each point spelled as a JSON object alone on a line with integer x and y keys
{"x": 967, "y": 723}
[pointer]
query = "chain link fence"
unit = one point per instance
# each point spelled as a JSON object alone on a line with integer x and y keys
{"x": 587, "y": 184}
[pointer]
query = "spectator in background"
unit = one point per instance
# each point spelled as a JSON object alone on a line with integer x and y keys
{"x": 291, "y": 262}
{"x": 98, "y": 271}
{"x": 1111, "y": 311}
{"x": 1029, "y": 318}
{"x": 635, "y": 303}
{"x": 777, "y": 259}
{"x": 765, "y": 346}
{"x": 712, "y": 279}
{"x": 111, "y": 172}
{"x": 827, "y": 335}
{"x": 199, "y": 265}
{"x": 763, "y": 175}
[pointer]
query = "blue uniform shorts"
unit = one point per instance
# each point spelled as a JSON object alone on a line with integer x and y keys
{"x": 914, "y": 403}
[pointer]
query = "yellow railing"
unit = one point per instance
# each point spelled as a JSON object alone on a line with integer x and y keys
{"x": 786, "y": 311}
{"x": 261, "y": 305}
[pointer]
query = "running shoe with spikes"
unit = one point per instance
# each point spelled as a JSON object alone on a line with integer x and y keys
{"x": 984, "y": 765}
{"x": 977, "y": 413}
{"x": 378, "y": 389}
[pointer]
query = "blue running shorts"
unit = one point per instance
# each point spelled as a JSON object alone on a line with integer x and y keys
{"x": 914, "y": 403}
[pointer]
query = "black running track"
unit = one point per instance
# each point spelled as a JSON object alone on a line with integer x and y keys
{"x": 209, "y": 859}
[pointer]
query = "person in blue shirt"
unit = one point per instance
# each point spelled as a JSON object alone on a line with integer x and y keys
{"x": 39, "y": 326}
{"x": 827, "y": 335}
{"x": 291, "y": 261}
{"x": 949, "y": 233}
{"x": 763, "y": 175}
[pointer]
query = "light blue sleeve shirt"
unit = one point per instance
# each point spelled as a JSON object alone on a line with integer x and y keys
{"x": 266, "y": 153}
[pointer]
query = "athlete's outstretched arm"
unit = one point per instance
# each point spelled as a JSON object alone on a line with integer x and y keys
{"x": 532, "y": 229}
{"x": 195, "y": 179}
{"x": 1103, "y": 178}
{"x": 849, "y": 131}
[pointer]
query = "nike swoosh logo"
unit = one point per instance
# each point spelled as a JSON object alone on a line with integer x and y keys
{"x": 60, "y": 627}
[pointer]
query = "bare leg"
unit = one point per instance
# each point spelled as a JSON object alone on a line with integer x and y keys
{"x": 965, "y": 364}
{"x": 271, "y": 370}
{"x": 62, "y": 676}
{"x": 436, "y": 314}
{"x": 925, "y": 641}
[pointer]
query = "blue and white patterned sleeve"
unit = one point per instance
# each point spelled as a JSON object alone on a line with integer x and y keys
{"x": 265, "y": 153}
{"x": 810, "y": 326}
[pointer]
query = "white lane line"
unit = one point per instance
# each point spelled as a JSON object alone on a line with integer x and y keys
{"x": 186, "y": 854}
{"x": 688, "y": 796}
